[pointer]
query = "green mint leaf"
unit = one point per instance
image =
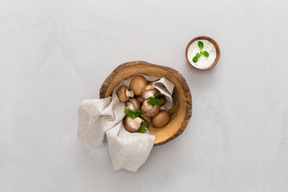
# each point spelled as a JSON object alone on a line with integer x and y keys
{"x": 158, "y": 102}
{"x": 157, "y": 95}
{"x": 143, "y": 128}
{"x": 138, "y": 112}
{"x": 200, "y": 45}
{"x": 133, "y": 115}
{"x": 149, "y": 101}
{"x": 128, "y": 112}
{"x": 198, "y": 55}
{"x": 195, "y": 59}
{"x": 153, "y": 101}
{"x": 206, "y": 54}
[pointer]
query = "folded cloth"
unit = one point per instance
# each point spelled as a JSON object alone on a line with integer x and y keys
{"x": 100, "y": 117}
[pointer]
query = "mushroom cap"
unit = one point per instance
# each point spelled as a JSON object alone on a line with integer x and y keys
{"x": 121, "y": 93}
{"x": 132, "y": 125}
{"x": 133, "y": 104}
{"x": 161, "y": 119}
{"x": 162, "y": 99}
{"x": 149, "y": 110}
{"x": 146, "y": 118}
{"x": 149, "y": 88}
{"x": 140, "y": 99}
{"x": 148, "y": 91}
{"x": 137, "y": 83}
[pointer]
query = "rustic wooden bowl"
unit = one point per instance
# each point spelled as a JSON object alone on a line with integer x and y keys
{"x": 181, "y": 110}
{"x": 216, "y": 47}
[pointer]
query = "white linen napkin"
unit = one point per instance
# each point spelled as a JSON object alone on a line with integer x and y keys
{"x": 100, "y": 117}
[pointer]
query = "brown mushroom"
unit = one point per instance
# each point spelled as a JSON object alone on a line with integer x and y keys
{"x": 161, "y": 119}
{"x": 133, "y": 104}
{"x": 132, "y": 125}
{"x": 146, "y": 118}
{"x": 140, "y": 99}
{"x": 162, "y": 99}
{"x": 149, "y": 110}
{"x": 137, "y": 83}
{"x": 124, "y": 94}
{"x": 148, "y": 91}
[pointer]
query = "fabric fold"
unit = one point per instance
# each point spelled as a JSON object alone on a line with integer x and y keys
{"x": 100, "y": 118}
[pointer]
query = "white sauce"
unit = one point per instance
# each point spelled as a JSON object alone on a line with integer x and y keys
{"x": 203, "y": 62}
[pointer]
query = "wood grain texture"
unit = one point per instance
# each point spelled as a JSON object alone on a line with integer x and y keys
{"x": 181, "y": 110}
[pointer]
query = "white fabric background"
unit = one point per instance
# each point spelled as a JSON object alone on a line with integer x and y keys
{"x": 54, "y": 54}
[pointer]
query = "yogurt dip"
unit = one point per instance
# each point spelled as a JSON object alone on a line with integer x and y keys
{"x": 203, "y": 62}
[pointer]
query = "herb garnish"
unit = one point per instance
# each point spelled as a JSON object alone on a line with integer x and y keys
{"x": 154, "y": 101}
{"x": 143, "y": 128}
{"x": 133, "y": 115}
{"x": 198, "y": 55}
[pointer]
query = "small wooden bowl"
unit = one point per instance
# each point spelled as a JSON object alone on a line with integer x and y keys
{"x": 216, "y": 47}
{"x": 181, "y": 110}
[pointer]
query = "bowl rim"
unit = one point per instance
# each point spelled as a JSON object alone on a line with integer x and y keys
{"x": 218, "y": 52}
{"x": 178, "y": 75}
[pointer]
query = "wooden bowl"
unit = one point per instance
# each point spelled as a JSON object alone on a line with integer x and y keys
{"x": 181, "y": 110}
{"x": 216, "y": 47}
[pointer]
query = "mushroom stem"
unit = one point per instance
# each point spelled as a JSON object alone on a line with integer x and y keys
{"x": 149, "y": 110}
{"x": 146, "y": 106}
{"x": 148, "y": 91}
{"x": 148, "y": 94}
{"x": 123, "y": 93}
{"x": 129, "y": 93}
{"x": 133, "y": 104}
{"x": 130, "y": 106}
{"x": 132, "y": 125}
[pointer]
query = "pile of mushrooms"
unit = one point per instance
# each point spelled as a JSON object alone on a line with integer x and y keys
{"x": 137, "y": 99}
